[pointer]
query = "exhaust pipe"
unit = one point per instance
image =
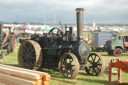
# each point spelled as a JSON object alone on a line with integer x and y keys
{"x": 79, "y": 13}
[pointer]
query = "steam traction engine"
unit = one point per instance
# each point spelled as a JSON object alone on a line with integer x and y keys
{"x": 61, "y": 49}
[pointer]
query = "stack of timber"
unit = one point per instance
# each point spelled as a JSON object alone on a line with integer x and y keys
{"x": 18, "y": 76}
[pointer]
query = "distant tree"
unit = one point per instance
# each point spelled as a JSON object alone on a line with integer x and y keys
{"x": 15, "y": 23}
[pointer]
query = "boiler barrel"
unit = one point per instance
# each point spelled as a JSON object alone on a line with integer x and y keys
{"x": 79, "y": 13}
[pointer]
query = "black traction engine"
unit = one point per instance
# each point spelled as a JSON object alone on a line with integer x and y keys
{"x": 61, "y": 49}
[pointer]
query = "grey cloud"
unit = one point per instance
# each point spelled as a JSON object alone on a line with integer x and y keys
{"x": 105, "y": 11}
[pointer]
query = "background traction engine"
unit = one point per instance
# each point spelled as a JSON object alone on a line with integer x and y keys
{"x": 7, "y": 40}
{"x": 60, "y": 49}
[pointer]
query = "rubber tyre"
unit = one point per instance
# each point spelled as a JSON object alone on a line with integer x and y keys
{"x": 117, "y": 52}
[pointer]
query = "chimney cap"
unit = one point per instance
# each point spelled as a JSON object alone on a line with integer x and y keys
{"x": 79, "y": 9}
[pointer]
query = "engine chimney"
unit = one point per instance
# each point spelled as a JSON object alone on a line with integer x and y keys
{"x": 79, "y": 13}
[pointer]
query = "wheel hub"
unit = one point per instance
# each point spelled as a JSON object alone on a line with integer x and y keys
{"x": 117, "y": 52}
{"x": 94, "y": 64}
{"x": 68, "y": 65}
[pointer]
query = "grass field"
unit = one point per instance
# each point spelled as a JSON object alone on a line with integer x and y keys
{"x": 81, "y": 79}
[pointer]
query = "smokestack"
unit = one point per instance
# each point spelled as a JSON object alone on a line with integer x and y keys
{"x": 1, "y": 31}
{"x": 79, "y": 13}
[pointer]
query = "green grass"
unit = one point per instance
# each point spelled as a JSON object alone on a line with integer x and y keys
{"x": 10, "y": 59}
{"x": 81, "y": 79}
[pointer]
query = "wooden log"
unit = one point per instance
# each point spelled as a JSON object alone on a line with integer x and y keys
{"x": 23, "y": 69}
{"x": 21, "y": 74}
{"x": 15, "y": 81}
{"x": 25, "y": 74}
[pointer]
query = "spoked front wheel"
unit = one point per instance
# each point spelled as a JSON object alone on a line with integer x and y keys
{"x": 68, "y": 65}
{"x": 95, "y": 64}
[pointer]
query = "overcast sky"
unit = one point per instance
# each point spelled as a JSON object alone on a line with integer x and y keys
{"x": 100, "y": 11}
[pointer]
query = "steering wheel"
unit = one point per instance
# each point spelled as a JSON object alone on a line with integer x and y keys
{"x": 52, "y": 31}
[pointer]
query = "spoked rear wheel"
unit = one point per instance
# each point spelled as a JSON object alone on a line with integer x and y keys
{"x": 30, "y": 55}
{"x": 68, "y": 65}
{"x": 95, "y": 64}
